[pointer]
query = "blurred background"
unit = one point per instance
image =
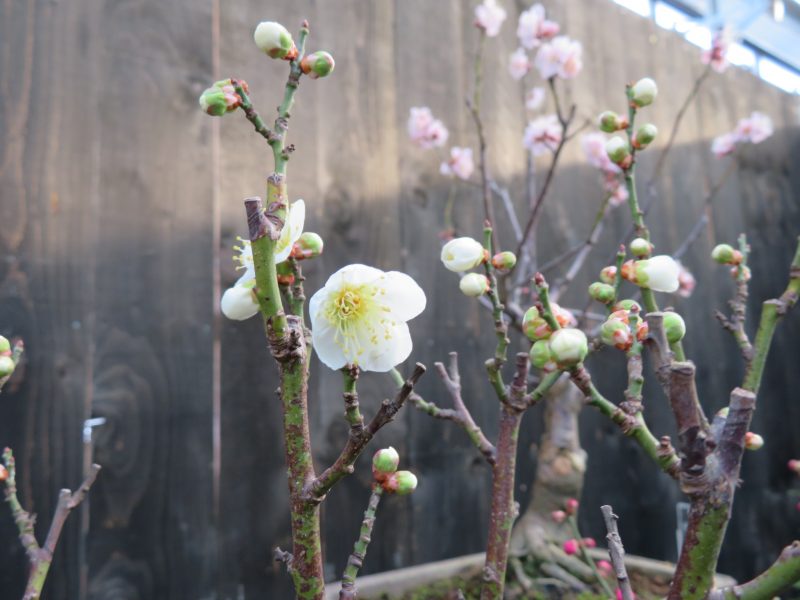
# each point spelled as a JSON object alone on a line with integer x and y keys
{"x": 120, "y": 202}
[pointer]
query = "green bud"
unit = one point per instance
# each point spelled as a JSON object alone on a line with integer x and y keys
{"x": 628, "y": 304}
{"x": 644, "y": 92}
{"x": 602, "y": 292}
{"x": 645, "y": 135}
{"x": 317, "y": 64}
{"x": 723, "y": 254}
{"x": 274, "y": 40}
{"x": 616, "y": 332}
{"x": 609, "y": 121}
{"x": 617, "y": 149}
{"x": 384, "y": 462}
{"x": 608, "y": 274}
{"x": 674, "y": 327}
{"x": 6, "y": 366}
{"x": 540, "y": 354}
{"x": 640, "y": 247}
{"x": 504, "y": 261}
{"x": 213, "y": 102}
{"x": 401, "y": 483}
{"x": 310, "y": 244}
{"x": 568, "y": 347}
{"x": 5, "y": 345}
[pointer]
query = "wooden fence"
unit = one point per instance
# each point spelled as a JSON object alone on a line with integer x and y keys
{"x": 120, "y": 202}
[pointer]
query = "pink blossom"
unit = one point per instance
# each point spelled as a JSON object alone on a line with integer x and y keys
{"x": 604, "y": 567}
{"x": 686, "y": 281}
{"x": 716, "y": 56}
{"x": 519, "y": 64}
{"x": 560, "y": 57}
{"x": 724, "y": 144}
{"x": 534, "y": 98}
{"x": 460, "y": 163}
{"x": 542, "y": 134}
{"x": 755, "y": 128}
{"x": 425, "y": 131}
{"x": 489, "y": 16}
{"x": 594, "y": 146}
{"x": 571, "y": 547}
{"x": 533, "y": 27}
{"x": 571, "y": 506}
{"x": 619, "y": 194}
{"x": 559, "y": 516}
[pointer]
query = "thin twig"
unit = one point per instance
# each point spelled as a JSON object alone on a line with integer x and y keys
{"x": 616, "y": 552}
{"x": 316, "y": 489}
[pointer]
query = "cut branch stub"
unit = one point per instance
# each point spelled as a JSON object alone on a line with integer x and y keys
{"x": 731, "y": 440}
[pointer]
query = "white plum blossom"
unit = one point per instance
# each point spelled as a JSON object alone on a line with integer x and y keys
{"x": 460, "y": 163}
{"x": 359, "y": 318}
{"x": 717, "y": 55}
{"x": 239, "y": 302}
{"x": 489, "y": 16}
{"x": 533, "y": 27}
{"x": 534, "y": 98}
{"x": 542, "y": 134}
{"x": 754, "y": 129}
{"x": 519, "y": 64}
{"x": 561, "y": 57}
{"x": 425, "y": 131}
{"x": 462, "y": 254}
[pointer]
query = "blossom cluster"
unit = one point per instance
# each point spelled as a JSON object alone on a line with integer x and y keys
{"x": 425, "y": 131}
{"x": 716, "y": 56}
{"x": 556, "y": 55}
{"x": 753, "y": 129}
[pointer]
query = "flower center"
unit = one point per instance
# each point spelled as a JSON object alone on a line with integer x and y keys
{"x": 360, "y": 318}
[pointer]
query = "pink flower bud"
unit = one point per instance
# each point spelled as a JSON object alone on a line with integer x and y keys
{"x": 589, "y": 542}
{"x": 753, "y": 441}
{"x": 608, "y": 275}
{"x": 400, "y": 483}
{"x": 559, "y": 516}
{"x": 571, "y": 506}
{"x": 604, "y": 567}
{"x": 794, "y": 465}
{"x": 571, "y": 547}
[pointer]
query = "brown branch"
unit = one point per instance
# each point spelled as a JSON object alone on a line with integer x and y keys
{"x": 659, "y": 348}
{"x": 616, "y": 552}
{"x": 316, "y": 489}
{"x": 738, "y": 304}
{"x": 692, "y": 431}
{"x": 730, "y": 447}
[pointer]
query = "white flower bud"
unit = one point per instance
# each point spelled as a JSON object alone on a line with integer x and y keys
{"x": 274, "y": 40}
{"x": 659, "y": 273}
{"x": 640, "y": 247}
{"x": 644, "y": 92}
{"x": 617, "y": 149}
{"x": 568, "y": 347}
{"x": 474, "y": 285}
{"x": 462, "y": 254}
{"x": 674, "y": 327}
{"x": 239, "y": 302}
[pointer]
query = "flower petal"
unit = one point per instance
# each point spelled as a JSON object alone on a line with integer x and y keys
{"x": 326, "y": 345}
{"x": 291, "y": 232}
{"x": 387, "y": 353}
{"x": 238, "y": 303}
{"x": 402, "y": 295}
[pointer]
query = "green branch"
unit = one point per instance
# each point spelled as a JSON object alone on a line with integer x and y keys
{"x": 356, "y": 559}
{"x": 776, "y": 580}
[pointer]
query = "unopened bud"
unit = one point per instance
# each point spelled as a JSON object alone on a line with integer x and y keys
{"x": 504, "y": 261}
{"x": 384, "y": 463}
{"x": 309, "y": 245}
{"x": 641, "y": 248}
{"x": 534, "y": 326}
{"x": 746, "y": 274}
{"x": 604, "y": 567}
{"x": 628, "y": 305}
{"x": 608, "y": 275}
{"x": 794, "y": 465}
{"x": 617, "y": 333}
{"x": 5, "y": 345}
{"x": 474, "y": 285}
{"x": 568, "y": 347}
{"x": 7, "y": 366}
{"x": 317, "y": 64}
{"x": 617, "y": 149}
{"x": 674, "y": 327}
{"x": 589, "y": 542}
{"x": 219, "y": 99}
{"x": 400, "y": 483}
{"x": 3, "y": 473}
{"x": 753, "y": 441}
{"x": 571, "y": 506}
{"x": 645, "y": 135}
{"x": 274, "y": 40}
{"x": 610, "y": 122}
{"x": 644, "y": 92}
{"x": 602, "y": 292}
{"x": 723, "y": 254}
{"x": 571, "y": 547}
{"x": 559, "y": 516}
{"x": 462, "y": 254}
{"x": 541, "y": 358}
